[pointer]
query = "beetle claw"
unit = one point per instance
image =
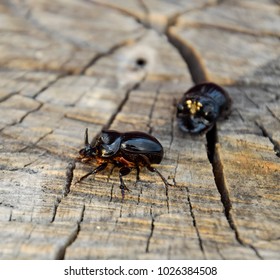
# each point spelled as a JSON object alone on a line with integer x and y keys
{"x": 123, "y": 189}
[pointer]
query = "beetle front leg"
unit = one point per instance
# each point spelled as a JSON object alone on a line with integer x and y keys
{"x": 94, "y": 171}
{"x": 123, "y": 172}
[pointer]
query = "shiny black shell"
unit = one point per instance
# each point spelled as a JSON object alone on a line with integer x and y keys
{"x": 139, "y": 143}
{"x": 201, "y": 106}
{"x": 133, "y": 146}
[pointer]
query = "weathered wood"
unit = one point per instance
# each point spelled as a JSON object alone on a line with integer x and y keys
{"x": 96, "y": 64}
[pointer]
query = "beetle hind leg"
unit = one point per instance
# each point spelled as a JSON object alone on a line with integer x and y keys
{"x": 123, "y": 172}
{"x": 153, "y": 169}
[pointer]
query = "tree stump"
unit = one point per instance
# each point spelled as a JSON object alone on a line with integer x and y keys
{"x": 71, "y": 65}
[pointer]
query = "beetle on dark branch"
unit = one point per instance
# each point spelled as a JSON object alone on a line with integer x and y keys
{"x": 126, "y": 150}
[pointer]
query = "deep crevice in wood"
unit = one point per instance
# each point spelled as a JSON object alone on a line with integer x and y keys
{"x": 211, "y": 138}
{"x": 215, "y": 160}
{"x": 190, "y": 56}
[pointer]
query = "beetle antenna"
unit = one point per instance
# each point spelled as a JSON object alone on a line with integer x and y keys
{"x": 86, "y": 137}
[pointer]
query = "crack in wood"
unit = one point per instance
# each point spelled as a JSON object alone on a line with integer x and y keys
{"x": 25, "y": 12}
{"x": 73, "y": 237}
{"x": 55, "y": 206}
{"x": 167, "y": 198}
{"x": 151, "y": 231}
{"x": 140, "y": 193}
{"x": 219, "y": 252}
{"x": 276, "y": 146}
{"x": 217, "y": 167}
{"x": 61, "y": 76}
{"x": 150, "y": 128}
{"x": 69, "y": 177}
{"x": 272, "y": 113}
{"x": 173, "y": 19}
{"x": 189, "y": 55}
{"x": 9, "y": 95}
{"x": 123, "y": 102}
{"x": 200, "y": 241}
{"x": 194, "y": 223}
{"x": 35, "y": 144}
{"x": 30, "y": 112}
{"x": 111, "y": 193}
{"x": 122, "y": 11}
{"x": 32, "y": 162}
{"x": 233, "y": 29}
{"x": 110, "y": 51}
{"x": 24, "y": 116}
{"x": 146, "y": 21}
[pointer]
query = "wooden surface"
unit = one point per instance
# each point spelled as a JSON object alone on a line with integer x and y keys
{"x": 66, "y": 65}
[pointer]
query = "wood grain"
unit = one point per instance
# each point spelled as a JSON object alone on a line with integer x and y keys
{"x": 72, "y": 65}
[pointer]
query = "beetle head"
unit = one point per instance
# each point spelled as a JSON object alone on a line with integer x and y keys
{"x": 196, "y": 114}
{"x": 88, "y": 152}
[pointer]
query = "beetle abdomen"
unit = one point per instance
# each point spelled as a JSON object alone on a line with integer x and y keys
{"x": 141, "y": 144}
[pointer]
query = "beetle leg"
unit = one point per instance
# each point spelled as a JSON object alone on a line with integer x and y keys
{"x": 123, "y": 171}
{"x": 138, "y": 172}
{"x": 153, "y": 169}
{"x": 94, "y": 171}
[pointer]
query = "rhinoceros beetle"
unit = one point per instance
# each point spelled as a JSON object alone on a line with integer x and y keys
{"x": 126, "y": 150}
{"x": 201, "y": 106}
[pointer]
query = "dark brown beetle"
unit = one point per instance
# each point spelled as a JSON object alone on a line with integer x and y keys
{"x": 127, "y": 150}
{"x": 201, "y": 106}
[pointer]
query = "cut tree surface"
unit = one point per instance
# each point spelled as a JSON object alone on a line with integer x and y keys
{"x": 70, "y": 65}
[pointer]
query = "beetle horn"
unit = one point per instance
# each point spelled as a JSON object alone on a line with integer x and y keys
{"x": 86, "y": 137}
